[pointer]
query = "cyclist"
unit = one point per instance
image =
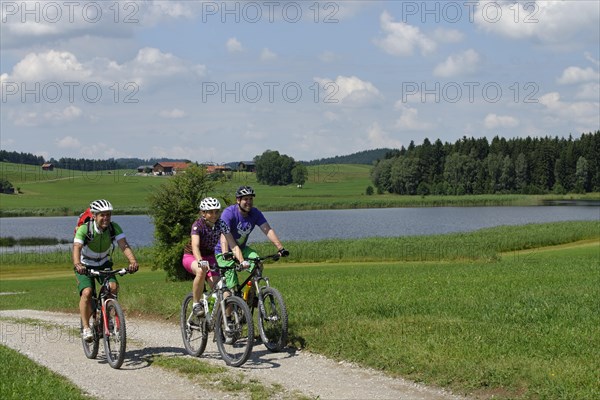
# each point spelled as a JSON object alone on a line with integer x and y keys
{"x": 92, "y": 248}
{"x": 241, "y": 219}
{"x": 199, "y": 253}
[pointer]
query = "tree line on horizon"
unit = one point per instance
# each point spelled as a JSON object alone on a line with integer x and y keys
{"x": 476, "y": 166}
{"x": 80, "y": 164}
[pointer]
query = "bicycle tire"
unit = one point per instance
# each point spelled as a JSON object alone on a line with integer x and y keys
{"x": 241, "y": 332}
{"x": 194, "y": 337}
{"x": 272, "y": 319}
{"x": 90, "y": 349}
{"x": 116, "y": 340}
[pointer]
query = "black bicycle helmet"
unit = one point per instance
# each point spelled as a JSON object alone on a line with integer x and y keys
{"x": 245, "y": 191}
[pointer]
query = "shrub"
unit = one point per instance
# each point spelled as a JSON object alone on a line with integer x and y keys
{"x": 174, "y": 208}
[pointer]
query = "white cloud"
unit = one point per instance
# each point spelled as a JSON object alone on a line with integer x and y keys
{"x": 148, "y": 65}
{"x": 378, "y": 138}
{"x": 464, "y": 63}
{"x": 409, "y": 119}
{"x": 547, "y": 21}
{"x": 51, "y": 65}
{"x": 53, "y": 116}
{"x": 591, "y": 59}
{"x": 577, "y": 75}
{"x": 588, "y": 91}
{"x": 582, "y": 114}
{"x": 233, "y": 45}
{"x": 175, "y": 113}
{"x": 267, "y": 55}
{"x": 493, "y": 121}
{"x": 448, "y": 35}
{"x": 348, "y": 90}
{"x": 401, "y": 39}
{"x": 68, "y": 142}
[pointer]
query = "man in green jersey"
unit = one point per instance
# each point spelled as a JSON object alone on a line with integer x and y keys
{"x": 92, "y": 248}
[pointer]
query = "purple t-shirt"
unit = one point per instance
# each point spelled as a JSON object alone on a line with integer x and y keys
{"x": 209, "y": 236}
{"x": 240, "y": 226}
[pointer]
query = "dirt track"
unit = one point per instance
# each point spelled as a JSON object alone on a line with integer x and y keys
{"x": 298, "y": 372}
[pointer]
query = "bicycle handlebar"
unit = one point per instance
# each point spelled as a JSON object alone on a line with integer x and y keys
{"x": 274, "y": 257}
{"x": 101, "y": 272}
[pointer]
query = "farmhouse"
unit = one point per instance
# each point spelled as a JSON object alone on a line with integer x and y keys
{"x": 169, "y": 167}
{"x": 47, "y": 167}
{"x": 247, "y": 166}
{"x": 213, "y": 169}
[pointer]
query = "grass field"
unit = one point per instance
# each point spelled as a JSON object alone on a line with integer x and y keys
{"x": 513, "y": 319}
{"x": 21, "y": 378}
{"x": 67, "y": 192}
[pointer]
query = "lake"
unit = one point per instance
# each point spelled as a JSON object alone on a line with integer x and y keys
{"x": 332, "y": 224}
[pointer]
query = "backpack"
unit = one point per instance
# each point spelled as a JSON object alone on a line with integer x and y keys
{"x": 86, "y": 218}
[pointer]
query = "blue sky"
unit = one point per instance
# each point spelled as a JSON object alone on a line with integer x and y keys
{"x": 222, "y": 81}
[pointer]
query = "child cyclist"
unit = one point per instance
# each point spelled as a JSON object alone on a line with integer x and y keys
{"x": 241, "y": 218}
{"x": 199, "y": 254}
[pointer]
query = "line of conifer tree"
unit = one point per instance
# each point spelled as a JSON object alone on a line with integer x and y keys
{"x": 476, "y": 166}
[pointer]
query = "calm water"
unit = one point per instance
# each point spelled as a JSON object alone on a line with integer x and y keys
{"x": 325, "y": 224}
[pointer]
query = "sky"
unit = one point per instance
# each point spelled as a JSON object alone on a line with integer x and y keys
{"x": 224, "y": 81}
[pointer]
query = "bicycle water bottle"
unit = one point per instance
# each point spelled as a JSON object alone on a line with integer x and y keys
{"x": 211, "y": 301}
{"x": 246, "y": 290}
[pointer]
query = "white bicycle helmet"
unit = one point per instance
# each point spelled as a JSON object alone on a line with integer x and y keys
{"x": 245, "y": 191}
{"x": 210, "y": 203}
{"x": 99, "y": 206}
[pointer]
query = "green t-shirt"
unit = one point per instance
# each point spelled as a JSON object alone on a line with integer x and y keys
{"x": 98, "y": 250}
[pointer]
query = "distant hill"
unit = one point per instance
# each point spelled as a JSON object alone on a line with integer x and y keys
{"x": 367, "y": 157}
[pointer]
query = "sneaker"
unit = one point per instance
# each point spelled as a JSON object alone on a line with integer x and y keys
{"x": 87, "y": 335}
{"x": 230, "y": 335}
{"x": 198, "y": 310}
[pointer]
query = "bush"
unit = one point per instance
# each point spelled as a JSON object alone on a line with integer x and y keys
{"x": 174, "y": 208}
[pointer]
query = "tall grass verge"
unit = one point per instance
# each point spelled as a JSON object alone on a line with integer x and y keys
{"x": 484, "y": 244}
{"x": 21, "y": 378}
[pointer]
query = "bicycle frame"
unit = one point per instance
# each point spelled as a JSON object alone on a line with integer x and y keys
{"x": 256, "y": 275}
{"x": 104, "y": 295}
{"x": 219, "y": 289}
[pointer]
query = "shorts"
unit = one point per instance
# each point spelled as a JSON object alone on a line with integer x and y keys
{"x": 230, "y": 274}
{"x": 84, "y": 281}
{"x": 188, "y": 259}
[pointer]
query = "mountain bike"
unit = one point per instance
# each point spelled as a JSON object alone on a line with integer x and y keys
{"x": 229, "y": 318}
{"x": 107, "y": 321}
{"x": 272, "y": 313}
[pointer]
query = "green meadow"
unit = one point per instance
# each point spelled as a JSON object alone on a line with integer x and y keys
{"x": 505, "y": 313}
{"x": 67, "y": 192}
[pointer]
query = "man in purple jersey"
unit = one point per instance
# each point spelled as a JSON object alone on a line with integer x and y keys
{"x": 241, "y": 218}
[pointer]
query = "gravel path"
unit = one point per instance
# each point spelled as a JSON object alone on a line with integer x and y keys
{"x": 298, "y": 372}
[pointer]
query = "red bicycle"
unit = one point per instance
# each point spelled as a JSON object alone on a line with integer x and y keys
{"x": 107, "y": 321}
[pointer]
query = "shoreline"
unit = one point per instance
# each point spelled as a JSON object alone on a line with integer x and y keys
{"x": 367, "y": 202}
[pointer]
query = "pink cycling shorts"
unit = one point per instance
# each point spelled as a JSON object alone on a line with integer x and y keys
{"x": 188, "y": 259}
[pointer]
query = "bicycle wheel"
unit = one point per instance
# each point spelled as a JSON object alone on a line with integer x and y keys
{"x": 90, "y": 349}
{"x": 194, "y": 330}
{"x": 272, "y": 319}
{"x": 116, "y": 340}
{"x": 235, "y": 335}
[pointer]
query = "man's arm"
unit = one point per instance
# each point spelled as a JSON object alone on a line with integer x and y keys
{"x": 271, "y": 235}
{"x": 128, "y": 252}
{"x": 77, "y": 258}
{"x": 228, "y": 242}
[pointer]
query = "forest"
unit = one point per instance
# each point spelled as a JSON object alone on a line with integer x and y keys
{"x": 476, "y": 166}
